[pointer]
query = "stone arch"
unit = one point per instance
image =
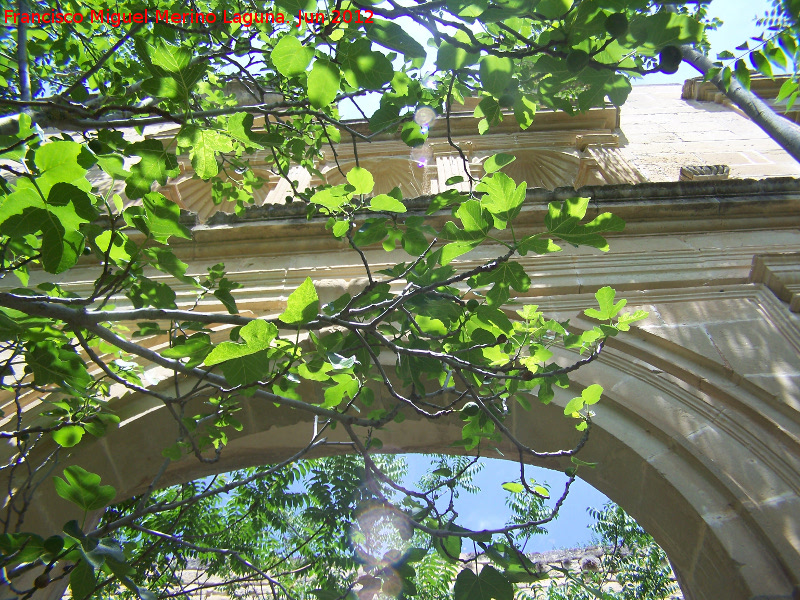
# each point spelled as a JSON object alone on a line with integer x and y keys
{"x": 676, "y": 445}
{"x": 698, "y": 435}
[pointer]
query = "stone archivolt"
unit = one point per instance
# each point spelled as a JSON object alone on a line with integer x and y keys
{"x": 698, "y": 435}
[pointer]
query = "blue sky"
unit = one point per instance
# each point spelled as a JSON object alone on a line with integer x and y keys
{"x": 739, "y": 23}
{"x": 488, "y": 509}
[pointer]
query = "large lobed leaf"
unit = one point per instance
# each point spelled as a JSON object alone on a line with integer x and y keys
{"x": 83, "y": 488}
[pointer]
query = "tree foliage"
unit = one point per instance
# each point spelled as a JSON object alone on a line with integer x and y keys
{"x": 456, "y": 352}
{"x": 633, "y": 566}
{"x": 308, "y": 517}
{"x": 776, "y": 51}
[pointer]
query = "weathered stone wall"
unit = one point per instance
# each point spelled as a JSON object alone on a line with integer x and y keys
{"x": 661, "y": 132}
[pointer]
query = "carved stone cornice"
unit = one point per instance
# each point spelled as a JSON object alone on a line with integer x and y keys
{"x": 551, "y": 153}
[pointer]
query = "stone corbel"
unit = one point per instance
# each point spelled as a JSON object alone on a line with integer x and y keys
{"x": 781, "y": 274}
{"x": 589, "y": 171}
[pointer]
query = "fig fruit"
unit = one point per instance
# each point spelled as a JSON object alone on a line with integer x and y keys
{"x": 577, "y": 60}
{"x": 669, "y": 59}
{"x": 617, "y": 24}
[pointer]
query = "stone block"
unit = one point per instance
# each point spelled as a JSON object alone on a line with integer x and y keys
{"x": 753, "y": 347}
{"x": 692, "y": 338}
{"x": 699, "y": 313}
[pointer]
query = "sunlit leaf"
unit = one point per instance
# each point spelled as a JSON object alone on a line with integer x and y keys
{"x": 514, "y": 487}
{"x": 385, "y": 203}
{"x": 323, "y": 83}
{"x": 68, "y": 436}
{"x": 257, "y": 335}
{"x": 302, "y": 305}
{"x": 291, "y": 57}
{"x": 605, "y": 298}
{"x": 83, "y": 488}
{"x": 361, "y": 179}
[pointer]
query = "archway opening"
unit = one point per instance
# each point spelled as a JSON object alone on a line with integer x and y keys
{"x": 329, "y": 535}
{"x": 644, "y": 459}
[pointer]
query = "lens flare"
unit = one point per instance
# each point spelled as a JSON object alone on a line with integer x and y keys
{"x": 380, "y": 536}
{"x": 422, "y": 155}
{"x": 424, "y": 116}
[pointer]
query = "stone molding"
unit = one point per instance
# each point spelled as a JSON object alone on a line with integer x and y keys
{"x": 704, "y": 172}
{"x": 704, "y": 458}
{"x": 550, "y": 154}
{"x": 763, "y": 87}
{"x": 781, "y": 274}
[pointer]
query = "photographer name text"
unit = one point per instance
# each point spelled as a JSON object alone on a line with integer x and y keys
{"x": 115, "y": 19}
